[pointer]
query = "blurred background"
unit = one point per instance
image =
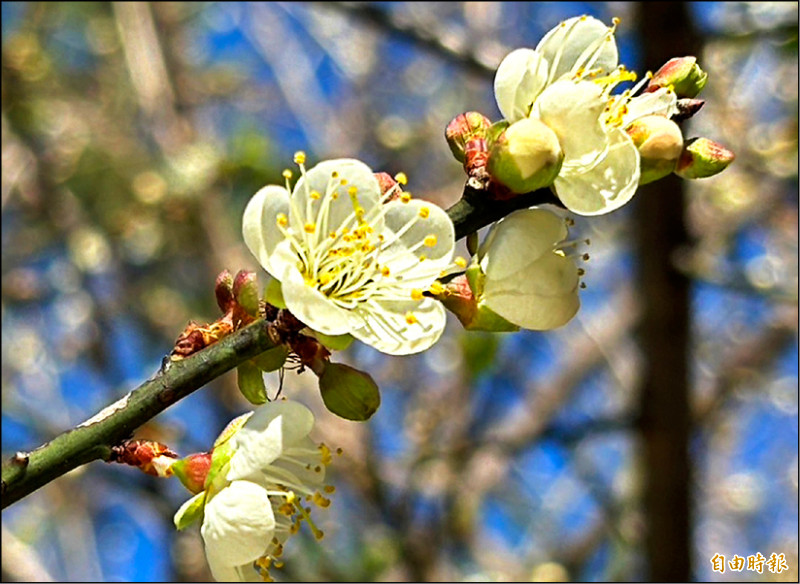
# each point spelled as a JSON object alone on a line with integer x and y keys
{"x": 655, "y": 430}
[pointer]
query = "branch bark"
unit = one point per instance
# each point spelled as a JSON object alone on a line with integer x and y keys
{"x": 92, "y": 440}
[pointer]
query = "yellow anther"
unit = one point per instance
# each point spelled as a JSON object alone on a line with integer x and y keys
{"x": 416, "y": 294}
{"x": 352, "y": 191}
{"x": 332, "y": 235}
{"x": 309, "y": 227}
{"x": 401, "y": 178}
{"x": 385, "y": 271}
{"x": 460, "y": 262}
{"x": 329, "y": 489}
{"x": 321, "y": 501}
{"x": 616, "y": 20}
{"x": 430, "y": 241}
{"x": 360, "y": 212}
{"x": 343, "y": 182}
{"x": 315, "y": 195}
{"x": 436, "y": 288}
{"x": 287, "y": 174}
{"x": 335, "y": 174}
{"x": 405, "y": 197}
{"x": 325, "y": 279}
{"x": 423, "y": 257}
{"x": 410, "y": 318}
{"x": 335, "y": 195}
{"x": 282, "y": 220}
{"x": 299, "y": 157}
{"x": 424, "y": 212}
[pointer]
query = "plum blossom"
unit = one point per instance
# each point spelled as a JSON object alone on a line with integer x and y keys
{"x": 566, "y": 83}
{"x": 351, "y": 259}
{"x": 252, "y": 502}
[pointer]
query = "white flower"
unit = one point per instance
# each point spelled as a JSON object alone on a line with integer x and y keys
{"x": 566, "y": 82}
{"x": 527, "y": 279}
{"x": 253, "y": 503}
{"x": 351, "y": 260}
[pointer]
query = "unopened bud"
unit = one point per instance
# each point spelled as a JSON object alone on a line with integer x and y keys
{"x": 387, "y": 183}
{"x": 526, "y": 157}
{"x": 683, "y": 74}
{"x": 463, "y": 128}
{"x": 150, "y": 457}
{"x": 223, "y": 290}
{"x": 245, "y": 290}
{"x": 349, "y": 393}
{"x": 659, "y": 142}
{"x": 702, "y": 158}
{"x": 193, "y": 470}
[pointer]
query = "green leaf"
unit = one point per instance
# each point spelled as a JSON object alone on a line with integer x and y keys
{"x": 251, "y": 383}
{"x": 190, "y": 511}
{"x": 274, "y": 294}
{"x": 271, "y": 360}
{"x": 349, "y": 393}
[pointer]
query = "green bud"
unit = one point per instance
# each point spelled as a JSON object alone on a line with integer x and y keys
{"x": 245, "y": 290}
{"x": 349, "y": 393}
{"x": 272, "y": 359}
{"x": 659, "y": 142}
{"x": 190, "y": 512}
{"x": 251, "y": 383}
{"x": 193, "y": 470}
{"x": 526, "y": 157}
{"x": 683, "y": 74}
{"x": 462, "y": 129}
{"x": 702, "y": 158}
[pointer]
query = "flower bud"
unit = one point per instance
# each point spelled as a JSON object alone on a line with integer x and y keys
{"x": 526, "y": 156}
{"x": 702, "y": 158}
{"x": 460, "y": 299}
{"x": 150, "y": 457}
{"x": 659, "y": 142}
{"x": 193, "y": 470}
{"x": 245, "y": 290}
{"x": 683, "y": 74}
{"x": 463, "y": 128}
{"x": 223, "y": 290}
{"x": 349, "y": 393}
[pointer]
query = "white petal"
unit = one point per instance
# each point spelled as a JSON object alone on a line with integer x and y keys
{"x": 385, "y": 327}
{"x": 572, "y": 110}
{"x": 520, "y": 239}
{"x": 238, "y": 524}
{"x": 414, "y": 222}
{"x": 545, "y": 297}
{"x": 607, "y": 186}
{"x": 259, "y": 227}
{"x": 271, "y": 429}
{"x": 312, "y": 307}
{"x": 662, "y": 102}
{"x": 520, "y": 78}
{"x": 578, "y": 39}
{"x": 223, "y": 573}
{"x": 339, "y": 210}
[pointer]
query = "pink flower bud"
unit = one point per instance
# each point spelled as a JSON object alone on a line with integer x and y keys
{"x": 193, "y": 470}
{"x": 683, "y": 74}
{"x": 223, "y": 289}
{"x": 702, "y": 158}
{"x": 464, "y": 127}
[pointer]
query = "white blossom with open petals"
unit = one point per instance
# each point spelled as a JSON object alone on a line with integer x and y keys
{"x": 254, "y": 503}
{"x": 527, "y": 278}
{"x": 566, "y": 82}
{"x": 351, "y": 260}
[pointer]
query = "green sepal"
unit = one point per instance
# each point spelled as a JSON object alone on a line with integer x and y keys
{"x": 273, "y": 294}
{"x": 220, "y": 457}
{"x": 349, "y": 393}
{"x": 191, "y": 511}
{"x": 272, "y": 359}
{"x": 495, "y": 130}
{"x": 251, "y": 383}
{"x": 334, "y": 342}
{"x": 231, "y": 429}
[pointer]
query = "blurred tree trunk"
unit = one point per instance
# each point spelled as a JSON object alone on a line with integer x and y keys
{"x": 664, "y": 331}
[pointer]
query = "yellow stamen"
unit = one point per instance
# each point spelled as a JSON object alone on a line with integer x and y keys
{"x": 416, "y": 294}
{"x": 460, "y": 262}
{"x": 309, "y": 227}
{"x": 424, "y": 212}
{"x": 299, "y": 157}
{"x": 282, "y": 220}
{"x": 430, "y": 241}
{"x": 405, "y": 197}
{"x": 401, "y": 178}
{"x": 410, "y": 318}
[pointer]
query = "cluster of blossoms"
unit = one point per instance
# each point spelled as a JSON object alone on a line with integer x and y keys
{"x": 354, "y": 256}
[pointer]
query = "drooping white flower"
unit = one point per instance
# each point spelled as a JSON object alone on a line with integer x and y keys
{"x": 350, "y": 259}
{"x": 525, "y": 277}
{"x": 566, "y": 82}
{"x": 253, "y": 502}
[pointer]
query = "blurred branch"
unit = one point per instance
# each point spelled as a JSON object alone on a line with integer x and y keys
{"x": 26, "y": 472}
{"x": 383, "y": 20}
